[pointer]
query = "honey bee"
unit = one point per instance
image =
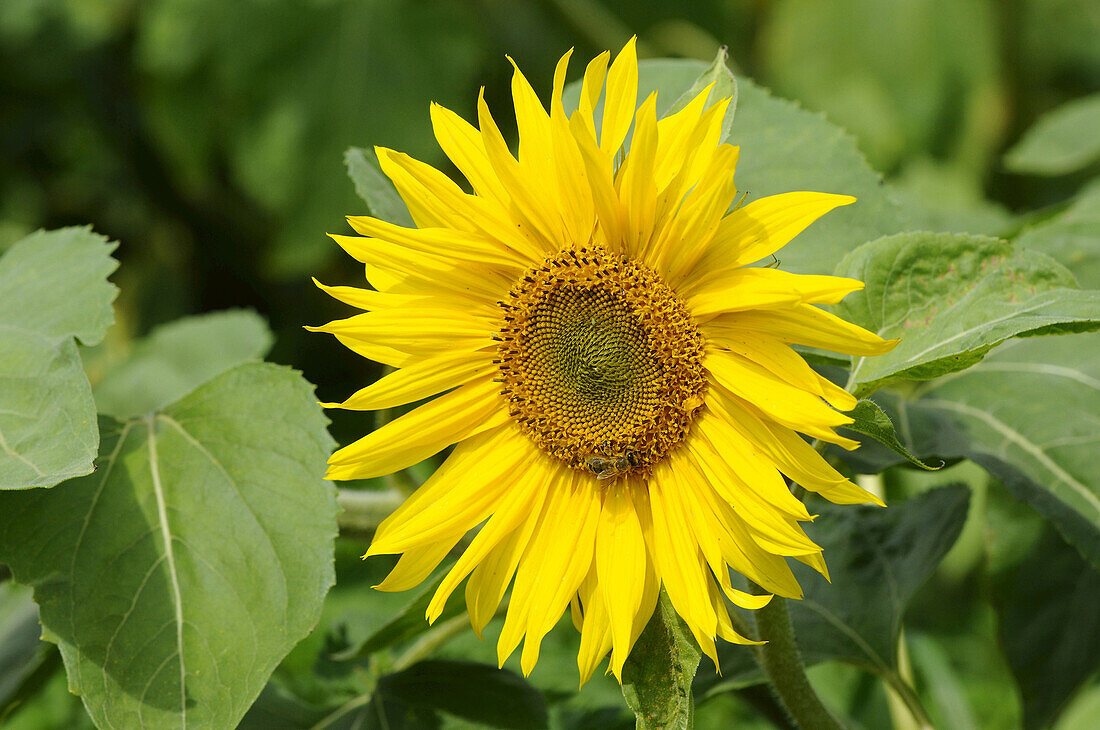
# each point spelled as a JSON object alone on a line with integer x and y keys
{"x": 610, "y": 465}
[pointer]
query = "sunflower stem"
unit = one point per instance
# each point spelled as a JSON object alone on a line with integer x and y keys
{"x": 782, "y": 663}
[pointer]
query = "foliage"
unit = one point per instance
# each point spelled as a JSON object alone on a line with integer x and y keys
{"x": 167, "y": 543}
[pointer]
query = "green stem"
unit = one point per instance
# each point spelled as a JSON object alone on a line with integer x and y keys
{"x": 781, "y": 662}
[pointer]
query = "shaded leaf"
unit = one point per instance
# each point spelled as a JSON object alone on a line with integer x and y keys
{"x": 178, "y": 575}
{"x": 53, "y": 288}
{"x": 877, "y": 559}
{"x": 375, "y": 188}
{"x": 951, "y": 298}
{"x": 1049, "y": 627}
{"x": 658, "y": 673}
{"x": 1062, "y": 141}
{"x": 1027, "y": 413}
{"x": 870, "y": 420}
{"x": 477, "y": 692}
{"x": 26, "y": 662}
{"x": 1072, "y": 237}
{"x": 177, "y": 357}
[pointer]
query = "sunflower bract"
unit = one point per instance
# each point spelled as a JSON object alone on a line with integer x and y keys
{"x": 618, "y": 384}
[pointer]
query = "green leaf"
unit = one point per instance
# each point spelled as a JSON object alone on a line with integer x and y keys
{"x": 407, "y": 624}
{"x": 725, "y": 86}
{"x": 375, "y": 188}
{"x": 1061, "y": 142}
{"x": 870, "y": 420}
{"x": 877, "y": 559}
{"x": 1049, "y": 627}
{"x": 179, "y": 356}
{"x": 658, "y": 673}
{"x": 176, "y": 577}
{"x": 951, "y": 298}
{"x": 1027, "y": 414}
{"x": 477, "y": 692}
{"x": 53, "y": 288}
{"x": 1072, "y": 237}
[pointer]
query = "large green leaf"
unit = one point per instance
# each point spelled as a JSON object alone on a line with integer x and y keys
{"x": 53, "y": 288}
{"x": 658, "y": 673}
{"x": 785, "y": 148}
{"x": 1072, "y": 237}
{"x": 1050, "y": 627}
{"x": 951, "y": 298}
{"x": 1063, "y": 141}
{"x": 1028, "y": 414}
{"x": 877, "y": 559}
{"x": 179, "y": 356}
{"x": 177, "y": 576}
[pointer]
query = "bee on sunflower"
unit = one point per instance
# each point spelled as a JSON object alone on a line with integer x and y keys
{"x": 618, "y": 382}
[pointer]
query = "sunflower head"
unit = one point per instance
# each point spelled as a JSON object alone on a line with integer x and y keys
{"x": 617, "y": 379}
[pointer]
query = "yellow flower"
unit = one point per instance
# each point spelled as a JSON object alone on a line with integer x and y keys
{"x": 617, "y": 381}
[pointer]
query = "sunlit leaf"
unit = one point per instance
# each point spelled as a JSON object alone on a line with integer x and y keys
{"x": 178, "y": 575}
{"x": 951, "y": 298}
{"x": 177, "y": 357}
{"x": 53, "y": 288}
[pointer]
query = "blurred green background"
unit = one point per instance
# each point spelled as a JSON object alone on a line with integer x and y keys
{"x": 207, "y": 137}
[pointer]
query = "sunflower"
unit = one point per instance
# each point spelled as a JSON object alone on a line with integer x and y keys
{"x": 617, "y": 381}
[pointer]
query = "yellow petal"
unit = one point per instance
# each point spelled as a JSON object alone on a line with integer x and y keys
{"x": 791, "y": 406}
{"x": 447, "y": 244}
{"x": 637, "y": 189}
{"x": 620, "y": 567}
{"x": 683, "y": 241}
{"x": 529, "y": 203}
{"x": 417, "y": 563}
{"x": 808, "y": 325}
{"x": 676, "y": 554}
{"x": 366, "y": 299}
{"x": 591, "y": 87}
{"x": 551, "y": 571}
{"x": 482, "y": 283}
{"x": 767, "y": 352}
{"x": 620, "y": 99}
{"x": 595, "y": 627}
{"x": 420, "y": 380}
{"x": 459, "y": 495}
{"x": 427, "y": 430}
{"x": 760, "y": 229}
{"x": 522, "y": 497}
{"x": 740, "y": 290}
{"x": 461, "y": 142}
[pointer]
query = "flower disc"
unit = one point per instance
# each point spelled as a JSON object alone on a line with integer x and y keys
{"x": 602, "y": 364}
